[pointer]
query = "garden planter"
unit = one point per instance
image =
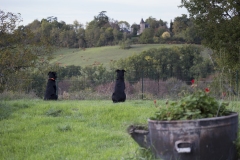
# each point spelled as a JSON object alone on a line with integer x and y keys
{"x": 140, "y": 135}
{"x": 201, "y": 139}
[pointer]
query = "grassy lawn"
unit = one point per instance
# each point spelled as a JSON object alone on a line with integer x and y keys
{"x": 94, "y": 130}
{"x": 55, "y": 130}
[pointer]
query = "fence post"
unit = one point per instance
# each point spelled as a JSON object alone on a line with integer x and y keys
{"x": 142, "y": 84}
{"x": 237, "y": 81}
{"x": 57, "y": 87}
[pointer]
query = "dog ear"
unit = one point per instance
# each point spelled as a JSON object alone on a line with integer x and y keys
{"x": 117, "y": 70}
{"x": 123, "y": 70}
{"x": 49, "y": 73}
{"x": 55, "y": 74}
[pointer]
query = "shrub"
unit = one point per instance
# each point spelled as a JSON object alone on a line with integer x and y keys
{"x": 125, "y": 44}
{"x": 166, "y": 35}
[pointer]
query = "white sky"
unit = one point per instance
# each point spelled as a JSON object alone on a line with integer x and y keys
{"x": 84, "y": 10}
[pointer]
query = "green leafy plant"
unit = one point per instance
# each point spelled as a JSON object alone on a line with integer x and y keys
{"x": 197, "y": 105}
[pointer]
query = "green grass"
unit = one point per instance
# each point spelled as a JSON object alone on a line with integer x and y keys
{"x": 100, "y": 55}
{"x": 94, "y": 130}
{"x": 56, "y": 130}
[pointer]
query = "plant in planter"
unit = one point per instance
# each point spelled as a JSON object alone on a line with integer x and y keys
{"x": 197, "y": 105}
{"x": 197, "y": 127}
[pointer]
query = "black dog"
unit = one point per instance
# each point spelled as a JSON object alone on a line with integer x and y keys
{"x": 119, "y": 94}
{"x": 51, "y": 89}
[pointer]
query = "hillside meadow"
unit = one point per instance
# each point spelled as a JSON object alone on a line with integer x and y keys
{"x": 102, "y": 55}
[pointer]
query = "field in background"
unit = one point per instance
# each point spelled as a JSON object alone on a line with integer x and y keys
{"x": 101, "y": 55}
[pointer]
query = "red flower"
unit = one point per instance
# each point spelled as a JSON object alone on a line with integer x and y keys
{"x": 192, "y": 81}
{"x": 223, "y": 94}
{"x": 207, "y": 90}
{"x": 155, "y": 103}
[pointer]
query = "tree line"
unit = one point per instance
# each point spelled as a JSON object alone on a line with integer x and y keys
{"x": 102, "y": 31}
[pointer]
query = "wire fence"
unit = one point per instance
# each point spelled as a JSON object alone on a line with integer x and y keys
{"x": 144, "y": 89}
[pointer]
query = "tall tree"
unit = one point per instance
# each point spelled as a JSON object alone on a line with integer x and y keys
{"x": 77, "y": 26}
{"x": 123, "y": 25}
{"x": 101, "y": 19}
{"x": 109, "y": 35}
{"x": 217, "y": 22}
{"x": 135, "y": 28}
{"x": 81, "y": 38}
{"x": 35, "y": 25}
{"x": 18, "y": 51}
{"x": 180, "y": 24}
{"x": 92, "y": 33}
{"x": 171, "y": 26}
{"x": 117, "y": 35}
{"x": 153, "y": 22}
{"x": 160, "y": 30}
{"x": 147, "y": 36}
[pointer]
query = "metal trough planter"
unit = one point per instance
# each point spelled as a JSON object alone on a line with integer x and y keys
{"x": 201, "y": 139}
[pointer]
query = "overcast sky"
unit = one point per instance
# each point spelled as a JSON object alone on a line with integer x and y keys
{"x": 84, "y": 10}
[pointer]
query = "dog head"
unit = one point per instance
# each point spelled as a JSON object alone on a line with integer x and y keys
{"x": 52, "y": 75}
{"x": 120, "y": 73}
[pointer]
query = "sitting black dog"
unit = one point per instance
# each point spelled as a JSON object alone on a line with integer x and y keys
{"x": 51, "y": 89}
{"x": 119, "y": 93}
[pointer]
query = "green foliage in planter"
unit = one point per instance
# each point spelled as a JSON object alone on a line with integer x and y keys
{"x": 194, "y": 106}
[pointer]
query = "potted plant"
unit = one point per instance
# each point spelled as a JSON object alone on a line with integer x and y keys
{"x": 197, "y": 127}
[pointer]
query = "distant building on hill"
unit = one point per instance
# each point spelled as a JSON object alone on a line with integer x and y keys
{"x": 143, "y": 25}
{"x": 140, "y": 27}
